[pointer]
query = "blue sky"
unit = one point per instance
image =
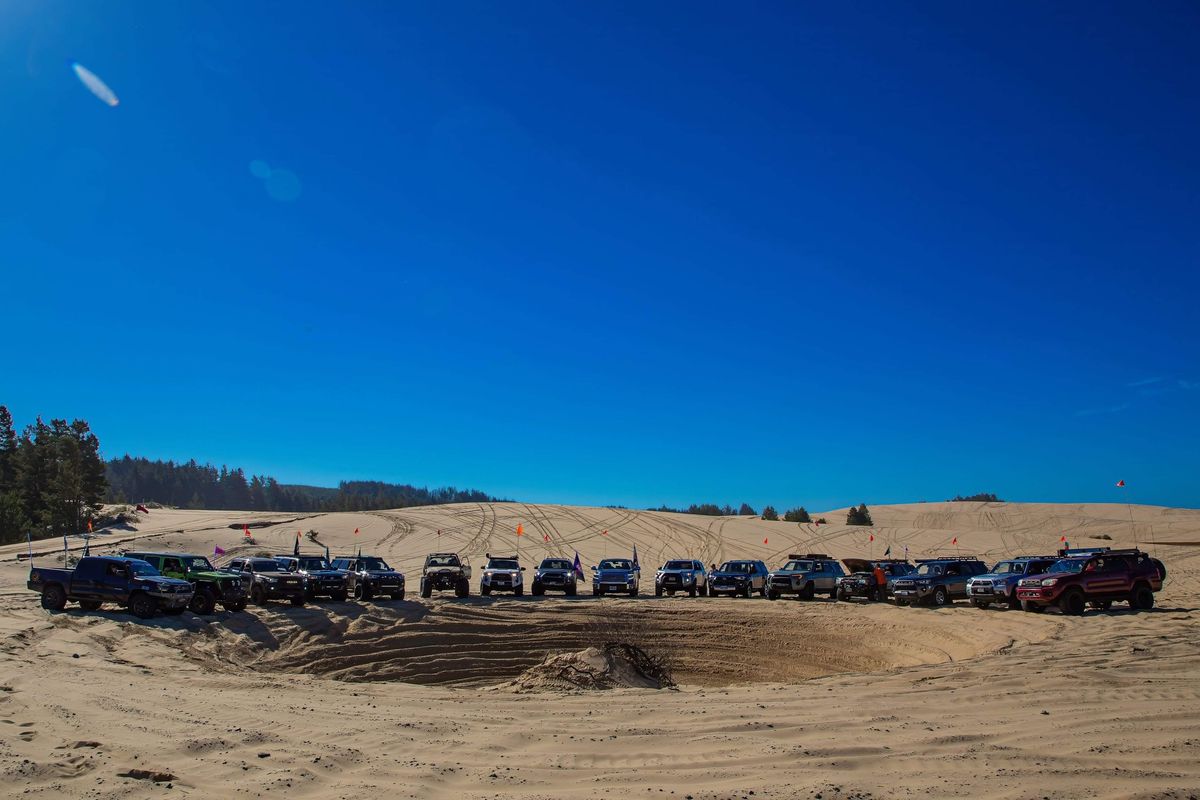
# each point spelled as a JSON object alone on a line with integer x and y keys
{"x": 615, "y": 253}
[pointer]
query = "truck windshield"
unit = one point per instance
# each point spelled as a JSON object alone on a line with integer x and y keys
{"x": 503, "y": 563}
{"x": 616, "y": 563}
{"x": 1068, "y": 565}
{"x": 141, "y": 568}
{"x": 372, "y": 563}
{"x": 443, "y": 561}
{"x": 198, "y": 564}
{"x": 930, "y": 569}
{"x": 556, "y": 563}
{"x": 678, "y": 565}
{"x": 736, "y": 566}
{"x": 313, "y": 563}
{"x": 798, "y": 566}
{"x": 1007, "y": 568}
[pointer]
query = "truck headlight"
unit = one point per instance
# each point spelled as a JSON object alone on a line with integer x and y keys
{"x": 1049, "y": 581}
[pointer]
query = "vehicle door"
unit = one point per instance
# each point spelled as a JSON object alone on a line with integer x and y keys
{"x": 1106, "y": 575}
{"x": 114, "y": 586}
{"x": 955, "y": 579}
{"x": 820, "y": 576}
{"x": 760, "y": 575}
{"x": 172, "y": 568}
{"x": 85, "y": 579}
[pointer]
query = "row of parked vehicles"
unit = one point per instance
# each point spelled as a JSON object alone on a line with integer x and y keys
{"x": 149, "y": 583}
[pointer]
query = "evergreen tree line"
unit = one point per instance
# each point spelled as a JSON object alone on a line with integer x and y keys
{"x": 982, "y": 497}
{"x": 51, "y": 478}
{"x": 203, "y": 486}
{"x": 745, "y": 510}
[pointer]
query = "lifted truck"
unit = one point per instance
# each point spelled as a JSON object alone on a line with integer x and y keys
{"x": 320, "y": 579}
{"x": 210, "y": 585}
{"x": 96, "y": 580}
{"x": 445, "y": 571}
{"x": 937, "y": 581}
{"x": 1098, "y": 578}
{"x": 502, "y": 574}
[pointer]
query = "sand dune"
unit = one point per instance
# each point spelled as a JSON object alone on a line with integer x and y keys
{"x": 785, "y": 699}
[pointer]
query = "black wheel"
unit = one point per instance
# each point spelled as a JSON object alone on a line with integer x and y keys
{"x": 658, "y": 590}
{"x": 570, "y": 591}
{"x": 258, "y": 596}
{"x": 174, "y": 612}
{"x": 143, "y": 606}
{"x": 598, "y": 591}
{"x": 692, "y": 592}
{"x": 1013, "y": 602}
{"x": 519, "y": 591}
{"x": 426, "y": 588}
{"x": 54, "y": 598}
{"x": 462, "y": 588}
{"x": 808, "y": 592}
{"x": 633, "y": 592}
{"x": 484, "y": 590}
{"x": 202, "y": 602}
{"x": 536, "y": 589}
{"x": 240, "y": 605}
{"x": 746, "y": 590}
{"x": 704, "y": 590}
{"x": 90, "y": 605}
{"x": 940, "y": 596}
{"x": 298, "y": 601}
{"x": 842, "y": 596}
{"x": 398, "y": 595}
{"x": 1142, "y": 598}
{"x": 1032, "y": 608}
{"x": 340, "y": 595}
{"x": 1072, "y": 603}
{"x": 772, "y": 595}
{"x": 980, "y": 603}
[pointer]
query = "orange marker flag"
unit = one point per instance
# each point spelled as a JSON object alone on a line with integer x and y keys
{"x": 764, "y": 541}
{"x": 520, "y": 529}
{"x": 954, "y": 540}
{"x": 872, "y": 538}
{"x": 246, "y": 531}
{"x": 89, "y": 526}
{"x": 604, "y": 533}
{"x": 356, "y": 531}
{"x": 1062, "y": 538}
{"x": 545, "y": 537}
{"x": 1120, "y": 483}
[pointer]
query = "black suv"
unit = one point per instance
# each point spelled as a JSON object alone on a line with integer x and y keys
{"x": 555, "y": 573}
{"x": 322, "y": 580}
{"x": 939, "y": 581}
{"x": 738, "y": 577}
{"x": 371, "y": 576}
{"x": 269, "y": 581}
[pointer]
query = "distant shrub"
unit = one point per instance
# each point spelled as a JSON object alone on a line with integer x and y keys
{"x": 859, "y": 516}
{"x": 982, "y": 497}
{"x": 769, "y": 514}
{"x": 822, "y": 521}
{"x": 797, "y": 515}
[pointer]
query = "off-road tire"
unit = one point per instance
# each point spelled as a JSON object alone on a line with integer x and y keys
{"x": 239, "y": 605}
{"x": 833, "y": 593}
{"x": 484, "y": 590}
{"x": 54, "y": 598}
{"x": 1072, "y": 603}
{"x": 1032, "y": 608}
{"x": 570, "y": 591}
{"x": 143, "y": 606}
{"x": 174, "y": 612}
{"x": 519, "y": 591}
{"x": 258, "y": 596}
{"x": 426, "y": 588}
{"x": 90, "y": 605}
{"x": 537, "y": 590}
{"x": 980, "y": 603}
{"x": 398, "y": 595}
{"x": 362, "y": 592}
{"x": 1013, "y": 603}
{"x": 1142, "y": 598}
{"x": 598, "y": 591}
{"x": 340, "y": 595}
{"x": 692, "y": 592}
{"x": 462, "y": 588}
{"x": 772, "y": 595}
{"x": 940, "y": 596}
{"x": 202, "y": 602}
{"x": 634, "y": 591}
{"x": 298, "y": 601}
{"x": 746, "y": 591}
{"x": 704, "y": 591}
{"x": 809, "y": 591}
{"x": 658, "y": 590}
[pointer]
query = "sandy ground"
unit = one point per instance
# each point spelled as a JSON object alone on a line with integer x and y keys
{"x": 785, "y": 699}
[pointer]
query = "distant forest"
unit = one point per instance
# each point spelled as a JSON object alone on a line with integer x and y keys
{"x": 203, "y": 486}
{"x": 982, "y": 497}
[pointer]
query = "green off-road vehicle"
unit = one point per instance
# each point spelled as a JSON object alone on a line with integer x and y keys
{"x": 211, "y": 585}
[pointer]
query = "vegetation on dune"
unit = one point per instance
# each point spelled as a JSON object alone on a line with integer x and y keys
{"x": 203, "y": 486}
{"x": 797, "y": 515}
{"x": 51, "y": 478}
{"x": 982, "y": 497}
{"x": 859, "y": 516}
{"x": 770, "y": 514}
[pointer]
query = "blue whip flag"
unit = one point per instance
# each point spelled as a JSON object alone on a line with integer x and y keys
{"x": 578, "y": 566}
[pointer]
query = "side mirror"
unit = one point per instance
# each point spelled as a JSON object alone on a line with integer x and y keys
{"x": 594, "y": 567}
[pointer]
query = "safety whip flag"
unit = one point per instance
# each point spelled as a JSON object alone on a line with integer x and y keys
{"x": 89, "y": 526}
{"x": 871, "y": 538}
{"x": 29, "y": 541}
{"x": 142, "y": 509}
{"x": 217, "y": 551}
{"x": 246, "y": 531}
{"x": 1121, "y": 484}
{"x": 356, "y": 531}
{"x": 520, "y": 529}
{"x": 66, "y": 547}
{"x": 326, "y": 554}
{"x": 578, "y": 566}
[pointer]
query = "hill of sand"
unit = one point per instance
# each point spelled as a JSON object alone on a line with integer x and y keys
{"x": 448, "y": 698}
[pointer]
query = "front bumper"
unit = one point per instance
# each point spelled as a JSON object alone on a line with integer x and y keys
{"x": 555, "y": 580}
{"x": 1040, "y": 595}
{"x": 326, "y": 587}
{"x": 443, "y": 580}
{"x": 912, "y": 594}
{"x": 231, "y": 592}
{"x": 730, "y": 587}
{"x": 172, "y": 599}
{"x": 496, "y": 583}
{"x": 676, "y": 582}
{"x": 282, "y": 591}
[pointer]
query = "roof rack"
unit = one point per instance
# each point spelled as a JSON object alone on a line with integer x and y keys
{"x": 490, "y": 556}
{"x": 947, "y": 558}
{"x": 810, "y": 555}
{"x": 1028, "y": 558}
{"x": 1068, "y": 552}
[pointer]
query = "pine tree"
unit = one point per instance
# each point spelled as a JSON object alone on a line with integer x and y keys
{"x": 799, "y": 515}
{"x": 859, "y": 516}
{"x": 769, "y": 514}
{"x": 746, "y": 511}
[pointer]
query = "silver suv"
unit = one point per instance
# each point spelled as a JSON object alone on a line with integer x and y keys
{"x": 805, "y": 576}
{"x": 502, "y": 574}
{"x": 681, "y": 576}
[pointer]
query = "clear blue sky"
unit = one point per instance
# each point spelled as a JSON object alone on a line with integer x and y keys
{"x": 630, "y": 253}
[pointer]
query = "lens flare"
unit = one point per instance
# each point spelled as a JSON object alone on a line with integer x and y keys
{"x": 95, "y": 85}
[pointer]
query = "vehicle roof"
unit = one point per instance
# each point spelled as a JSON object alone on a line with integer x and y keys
{"x": 168, "y": 553}
{"x": 431, "y": 555}
{"x": 501, "y": 558}
{"x": 942, "y": 559}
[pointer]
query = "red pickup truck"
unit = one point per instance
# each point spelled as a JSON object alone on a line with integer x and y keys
{"x": 1098, "y": 578}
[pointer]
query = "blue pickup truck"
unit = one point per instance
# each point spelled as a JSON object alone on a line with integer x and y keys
{"x": 96, "y": 580}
